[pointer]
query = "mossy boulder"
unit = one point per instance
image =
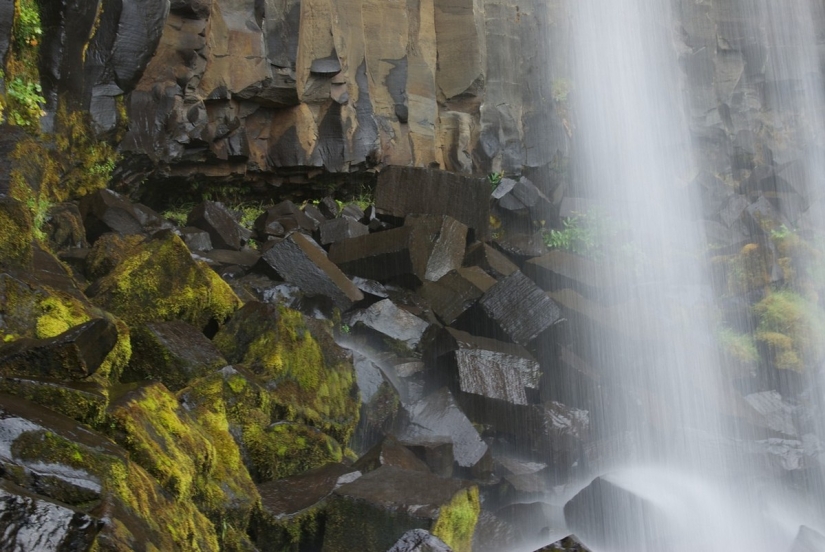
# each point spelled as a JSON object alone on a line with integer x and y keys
{"x": 52, "y": 456}
{"x": 372, "y": 512}
{"x": 790, "y": 328}
{"x": 16, "y": 227}
{"x": 190, "y": 453}
{"x": 109, "y": 251}
{"x": 308, "y": 377}
{"x": 159, "y": 280}
{"x": 271, "y": 449}
{"x": 171, "y": 352}
{"x": 31, "y": 309}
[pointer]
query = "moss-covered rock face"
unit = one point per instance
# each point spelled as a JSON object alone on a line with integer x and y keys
{"x": 109, "y": 251}
{"x": 16, "y": 235}
{"x": 171, "y": 352}
{"x": 159, "y": 280}
{"x": 457, "y": 520}
{"x": 97, "y": 477}
{"x": 191, "y": 454}
{"x": 790, "y": 327}
{"x": 271, "y": 449}
{"x": 29, "y": 309}
{"x": 308, "y": 377}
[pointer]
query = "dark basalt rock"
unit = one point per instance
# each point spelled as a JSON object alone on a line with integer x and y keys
{"x": 560, "y": 269}
{"x": 485, "y": 367}
{"x": 65, "y": 227}
{"x": 402, "y": 191}
{"x": 74, "y": 354}
{"x": 315, "y": 214}
{"x": 107, "y": 211}
{"x": 436, "y": 452}
{"x": 196, "y": 239}
{"x": 341, "y": 228}
{"x": 492, "y": 534}
{"x": 281, "y": 218}
{"x": 171, "y": 352}
{"x": 245, "y": 258}
{"x": 493, "y": 262}
{"x": 215, "y": 219}
{"x": 30, "y": 522}
{"x": 531, "y": 521}
{"x": 387, "y": 319}
{"x": 608, "y": 516}
{"x": 438, "y": 415}
{"x": 514, "y": 309}
{"x": 419, "y": 540}
{"x": 567, "y": 544}
{"x": 353, "y": 211}
{"x": 299, "y": 260}
{"x": 426, "y": 246}
{"x": 372, "y": 512}
{"x": 389, "y": 452}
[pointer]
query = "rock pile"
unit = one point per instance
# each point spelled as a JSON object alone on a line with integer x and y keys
{"x": 316, "y": 381}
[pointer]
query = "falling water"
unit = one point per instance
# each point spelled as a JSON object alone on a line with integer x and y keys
{"x": 665, "y": 432}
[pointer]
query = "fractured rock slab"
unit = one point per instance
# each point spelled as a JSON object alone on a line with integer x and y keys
{"x": 373, "y": 511}
{"x": 426, "y": 246}
{"x": 492, "y": 261}
{"x": 489, "y": 368}
{"x": 419, "y": 540}
{"x": 301, "y": 261}
{"x": 402, "y": 191}
{"x": 107, "y": 211}
{"x": 388, "y": 319}
{"x": 215, "y": 219}
{"x": 438, "y": 415}
{"x": 341, "y": 228}
{"x": 514, "y": 308}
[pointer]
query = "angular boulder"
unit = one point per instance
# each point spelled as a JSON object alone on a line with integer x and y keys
{"x": 488, "y": 368}
{"x": 299, "y": 260}
{"x": 282, "y": 218}
{"x": 438, "y": 415}
{"x": 340, "y": 229}
{"x": 372, "y": 512}
{"x": 107, "y": 211}
{"x": 515, "y": 309}
{"x": 419, "y": 540}
{"x": 402, "y": 191}
{"x": 389, "y": 452}
{"x": 492, "y": 261}
{"x": 216, "y": 220}
{"x": 161, "y": 281}
{"x": 391, "y": 321}
{"x": 171, "y": 352}
{"x": 455, "y": 292}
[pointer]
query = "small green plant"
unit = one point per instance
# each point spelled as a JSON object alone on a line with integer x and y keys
{"x": 25, "y": 102}
{"x": 345, "y": 328}
{"x": 495, "y": 179}
{"x": 178, "y": 213}
{"x": 582, "y": 233}
{"x": 560, "y": 89}
{"x": 27, "y": 30}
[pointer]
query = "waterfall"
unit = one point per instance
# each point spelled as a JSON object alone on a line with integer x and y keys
{"x": 678, "y": 466}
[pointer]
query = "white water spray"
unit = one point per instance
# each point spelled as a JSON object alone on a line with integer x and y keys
{"x": 682, "y": 454}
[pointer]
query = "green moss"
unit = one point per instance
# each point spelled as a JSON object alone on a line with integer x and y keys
{"x": 23, "y": 101}
{"x": 109, "y": 251}
{"x": 86, "y": 404}
{"x": 191, "y": 454}
{"x": 303, "y": 531}
{"x": 285, "y": 449}
{"x": 457, "y": 520}
{"x": 309, "y": 378}
{"x": 139, "y": 512}
{"x": 16, "y": 233}
{"x": 748, "y": 270}
{"x": 738, "y": 348}
{"x": 790, "y": 327}
{"x": 160, "y": 281}
{"x": 29, "y": 309}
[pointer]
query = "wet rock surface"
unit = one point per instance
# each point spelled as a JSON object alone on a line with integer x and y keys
{"x": 419, "y": 540}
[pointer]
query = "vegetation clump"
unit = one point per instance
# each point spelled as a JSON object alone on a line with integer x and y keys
{"x": 790, "y": 327}
{"x": 457, "y": 520}
{"x": 309, "y": 378}
{"x": 159, "y": 280}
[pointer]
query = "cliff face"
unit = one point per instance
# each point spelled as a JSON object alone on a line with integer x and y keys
{"x": 250, "y": 89}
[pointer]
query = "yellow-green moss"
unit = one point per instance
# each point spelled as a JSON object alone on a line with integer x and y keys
{"x": 310, "y": 378}
{"x": 84, "y": 404}
{"x": 160, "y": 281}
{"x": 457, "y": 520}
{"x": 29, "y": 309}
{"x": 16, "y": 233}
{"x": 791, "y": 327}
{"x": 737, "y": 347}
{"x": 191, "y": 454}
{"x": 139, "y": 513}
{"x": 285, "y": 449}
{"x": 748, "y": 270}
{"x": 109, "y": 251}
{"x": 23, "y": 99}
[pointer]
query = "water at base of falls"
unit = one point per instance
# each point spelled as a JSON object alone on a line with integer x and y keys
{"x": 683, "y": 476}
